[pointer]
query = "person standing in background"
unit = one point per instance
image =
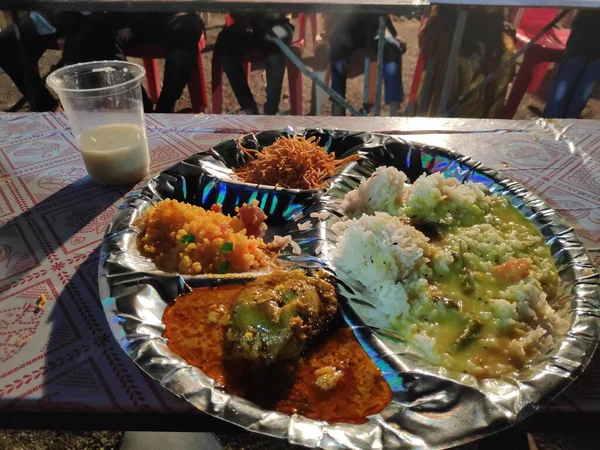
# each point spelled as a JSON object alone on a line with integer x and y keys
{"x": 255, "y": 31}
{"x": 488, "y": 41}
{"x": 579, "y": 73}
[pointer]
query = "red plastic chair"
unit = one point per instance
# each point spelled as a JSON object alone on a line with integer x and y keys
{"x": 150, "y": 53}
{"x": 256, "y": 55}
{"x": 313, "y": 27}
{"x": 414, "y": 87}
{"x": 550, "y": 48}
{"x": 196, "y": 83}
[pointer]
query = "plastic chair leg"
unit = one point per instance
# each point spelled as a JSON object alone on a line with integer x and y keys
{"x": 414, "y": 87}
{"x": 314, "y": 29}
{"x": 295, "y": 82}
{"x": 151, "y": 66}
{"x": 539, "y": 73}
{"x": 372, "y": 82}
{"x": 520, "y": 84}
{"x": 216, "y": 85}
{"x": 318, "y": 96}
{"x": 302, "y": 26}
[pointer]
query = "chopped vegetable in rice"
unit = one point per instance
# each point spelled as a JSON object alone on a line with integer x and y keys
{"x": 191, "y": 240}
{"x": 463, "y": 276}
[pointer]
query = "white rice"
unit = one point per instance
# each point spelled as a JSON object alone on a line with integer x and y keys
{"x": 305, "y": 225}
{"x": 295, "y": 248}
{"x": 284, "y": 241}
{"x": 321, "y": 215}
{"x": 437, "y": 199}
{"x": 382, "y": 191}
{"x": 384, "y": 254}
{"x": 392, "y": 260}
{"x": 319, "y": 248}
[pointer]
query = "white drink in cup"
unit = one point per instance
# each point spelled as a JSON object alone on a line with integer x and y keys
{"x": 103, "y": 102}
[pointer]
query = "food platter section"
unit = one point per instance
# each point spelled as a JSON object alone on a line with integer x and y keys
{"x": 556, "y": 160}
{"x": 451, "y": 276}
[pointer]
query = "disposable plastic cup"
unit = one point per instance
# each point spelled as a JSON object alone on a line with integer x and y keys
{"x": 103, "y": 103}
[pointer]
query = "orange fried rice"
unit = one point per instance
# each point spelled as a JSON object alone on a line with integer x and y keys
{"x": 188, "y": 239}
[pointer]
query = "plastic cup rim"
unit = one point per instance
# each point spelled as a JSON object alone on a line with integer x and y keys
{"x": 50, "y": 81}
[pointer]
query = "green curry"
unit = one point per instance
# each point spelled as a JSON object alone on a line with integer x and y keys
{"x": 474, "y": 314}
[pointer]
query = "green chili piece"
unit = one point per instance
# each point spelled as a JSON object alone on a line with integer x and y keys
{"x": 227, "y": 247}
{"x": 188, "y": 239}
{"x": 224, "y": 267}
{"x": 469, "y": 334}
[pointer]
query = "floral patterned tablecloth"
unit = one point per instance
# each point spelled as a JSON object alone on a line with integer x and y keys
{"x": 52, "y": 218}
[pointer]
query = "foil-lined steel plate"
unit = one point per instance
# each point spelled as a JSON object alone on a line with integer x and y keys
{"x": 431, "y": 407}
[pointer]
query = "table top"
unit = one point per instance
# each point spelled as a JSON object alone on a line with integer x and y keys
{"x": 373, "y": 6}
{"x": 52, "y": 220}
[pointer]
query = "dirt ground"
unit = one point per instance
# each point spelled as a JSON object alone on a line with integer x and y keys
{"x": 407, "y": 28}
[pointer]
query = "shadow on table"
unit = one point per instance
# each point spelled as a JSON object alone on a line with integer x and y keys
{"x": 90, "y": 198}
{"x": 46, "y": 233}
{"x": 86, "y": 381}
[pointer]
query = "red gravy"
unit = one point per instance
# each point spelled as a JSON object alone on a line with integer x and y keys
{"x": 195, "y": 330}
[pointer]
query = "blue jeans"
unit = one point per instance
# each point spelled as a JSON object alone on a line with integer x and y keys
{"x": 357, "y": 32}
{"x": 575, "y": 83}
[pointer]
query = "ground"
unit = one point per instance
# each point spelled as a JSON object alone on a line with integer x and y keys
{"x": 408, "y": 29}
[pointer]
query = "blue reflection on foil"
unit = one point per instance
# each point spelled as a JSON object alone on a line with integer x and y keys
{"x": 206, "y": 191}
{"x": 273, "y": 203}
{"x": 263, "y": 200}
{"x": 184, "y": 187}
{"x": 222, "y": 193}
{"x": 440, "y": 164}
{"x": 478, "y": 177}
{"x": 391, "y": 376}
{"x": 456, "y": 170}
{"x": 293, "y": 208}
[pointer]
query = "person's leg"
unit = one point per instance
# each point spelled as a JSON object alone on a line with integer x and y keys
{"x": 587, "y": 83}
{"x": 275, "y": 63}
{"x": 392, "y": 74}
{"x": 105, "y": 38}
{"x": 180, "y": 35}
{"x": 10, "y": 61}
{"x": 567, "y": 78}
{"x": 230, "y": 47}
{"x": 342, "y": 44}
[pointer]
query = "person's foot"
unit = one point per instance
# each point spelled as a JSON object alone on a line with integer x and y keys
{"x": 394, "y": 109}
{"x": 271, "y": 111}
{"x": 250, "y": 111}
{"x": 45, "y": 101}
{"x": 337, "y": 110}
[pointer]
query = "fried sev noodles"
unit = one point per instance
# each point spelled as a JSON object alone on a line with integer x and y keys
{"x": 290, "y": 162}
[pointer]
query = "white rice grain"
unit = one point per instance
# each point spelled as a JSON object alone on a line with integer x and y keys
{"x": 305, "y": 225}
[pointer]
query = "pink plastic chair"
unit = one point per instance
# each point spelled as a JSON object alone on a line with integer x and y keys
{"x": 256, "y": 55}
{"x": 550, "y": 48}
